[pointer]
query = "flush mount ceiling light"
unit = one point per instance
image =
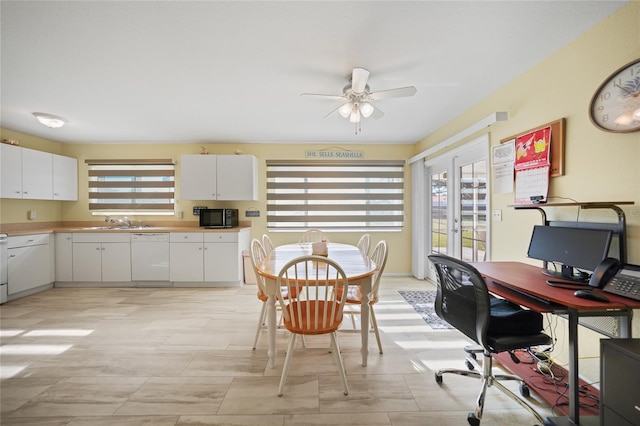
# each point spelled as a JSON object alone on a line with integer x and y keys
{"x": 50, "y": 120}
{"x": 358, "y": 98}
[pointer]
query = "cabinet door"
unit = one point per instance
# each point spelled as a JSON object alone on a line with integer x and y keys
{"x": 10, "y": 171}
{"x": 87, "y": 262}
{"x": 37, "y": 170}
{"x": 186, "y": 262}
{"x": 64, "y": 257}
{"x": 197, "y": 177}
{"x": 221, "y": 262}
{"x": 28, "y": 267}
{"x": 65, "y": 178}
{"x": 237, "y": 177}
{"x": 116, "y": 262}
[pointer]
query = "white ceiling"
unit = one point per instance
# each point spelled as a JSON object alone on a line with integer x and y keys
{"x": 233, "y": 71}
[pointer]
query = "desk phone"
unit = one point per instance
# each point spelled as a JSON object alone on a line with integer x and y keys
{"x": 626, "y": 282}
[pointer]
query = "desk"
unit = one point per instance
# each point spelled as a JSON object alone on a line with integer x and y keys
{"x": 523, "y": 283}
{"x": 358, "y": 268}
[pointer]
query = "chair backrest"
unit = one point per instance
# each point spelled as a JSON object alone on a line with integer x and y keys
{"x": 363, "y": 244}
{"x": 462, "y": 298}
{"x": 257, "y": 256}
{"x": 267, "y": 244}
{"x": 379, "y": 257}
{"x": 313, "y": 236}
{"x": 315, "y": 286}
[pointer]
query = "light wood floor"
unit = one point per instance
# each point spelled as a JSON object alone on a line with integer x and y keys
{"x": 134, "y": 356}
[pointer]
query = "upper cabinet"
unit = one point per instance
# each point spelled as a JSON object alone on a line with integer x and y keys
{"x": 65, "y": 178}
{"x": 37, "y": 175}
{"x": 218, "y": 177}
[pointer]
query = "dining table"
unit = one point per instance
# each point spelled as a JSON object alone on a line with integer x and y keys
{"x": 358, "y": 267}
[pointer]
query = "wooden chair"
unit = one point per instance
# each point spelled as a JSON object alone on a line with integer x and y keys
{"x": 364, "y": 243}
{"x": 267, "y": 244}
{"x": 314, "y": 285}
{"x": 354, "y": 296}
{"x": 313, "y": 236}
{"x": 257, "y": 256}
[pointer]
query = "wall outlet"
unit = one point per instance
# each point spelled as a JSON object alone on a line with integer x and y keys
{"x": 31, "y": 214}
{"x": 196, "y": 210}
{"x": 496, "y": 215}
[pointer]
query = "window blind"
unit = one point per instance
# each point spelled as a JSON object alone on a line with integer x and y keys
{"x": 335, "y": 195}
{"x": 131, "y": 186}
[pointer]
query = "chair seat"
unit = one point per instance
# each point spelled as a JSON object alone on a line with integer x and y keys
{"x": 311, "y": 324}
{"x": 508, "y": 343}
{"x": 354, "y": 296}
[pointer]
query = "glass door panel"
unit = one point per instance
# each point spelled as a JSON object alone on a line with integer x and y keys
{"x": 472, "y": 190}
{"x": 439, "y": 216}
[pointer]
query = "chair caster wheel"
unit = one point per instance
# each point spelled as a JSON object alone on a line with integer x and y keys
{"x": 470, "y": 366}
{"x": 473, "y": 420}
{"x": 438, "y": 378}
{"x": 524, "y": 391}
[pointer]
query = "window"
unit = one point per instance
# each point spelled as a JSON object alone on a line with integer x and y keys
{"x": 131, "y": 187}
{"x": 341, "y": 195}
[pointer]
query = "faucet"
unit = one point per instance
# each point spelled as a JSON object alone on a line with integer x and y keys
{"x": 125, "y": 222}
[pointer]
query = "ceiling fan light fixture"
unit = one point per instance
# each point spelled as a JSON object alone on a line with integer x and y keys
{"x": 345, "y": 110}
{"x": 354, "y": 117}
{"x": 366, "y": 109}
{"x": 50, "y": 120}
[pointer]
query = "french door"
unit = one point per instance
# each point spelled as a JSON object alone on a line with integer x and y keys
{"x": 457, "y": 201}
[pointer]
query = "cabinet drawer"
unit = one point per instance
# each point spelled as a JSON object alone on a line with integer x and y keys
{"x": 186, "y": 237}
{"x": 102, "y": 237}
{"x": 28, "y": 240}
{"x": 220, "y": 237}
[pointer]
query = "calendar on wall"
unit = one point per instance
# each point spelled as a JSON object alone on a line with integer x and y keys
{"x": 532, "y": 165}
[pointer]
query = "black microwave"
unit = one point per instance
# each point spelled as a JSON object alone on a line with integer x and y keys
{"x": 219, "y": 218}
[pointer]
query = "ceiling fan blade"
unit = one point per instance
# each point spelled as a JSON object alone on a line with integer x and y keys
{"x": 377, "y": 113}
{"x": 332, "y": 97}
{"x": 359, "y": 77}
{"x": 393, "y": 93}
{"x": 332, "y": 111}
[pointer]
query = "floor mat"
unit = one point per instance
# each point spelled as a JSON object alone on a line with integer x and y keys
{"x": 422, "y": 303}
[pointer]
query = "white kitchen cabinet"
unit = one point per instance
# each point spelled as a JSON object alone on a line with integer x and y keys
{"x": 218, "y": 177}
{"x": 237, "y": 177}
{"x": 29, "y": 264}
{"x": 64, "y": 256}
{"x": 102, "y": 257}
{"x": 186, "y": 257}
{"x": 10, "y": 171}
{"x": 223, "y": 260}
{"x": 65, "y": 178}
{"x": 36, "y": 175}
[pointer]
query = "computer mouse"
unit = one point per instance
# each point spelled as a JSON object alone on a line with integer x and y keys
{"x": 589, "y": 294}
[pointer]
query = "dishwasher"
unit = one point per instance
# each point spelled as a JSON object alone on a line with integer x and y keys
{"x": 150, "y": 256}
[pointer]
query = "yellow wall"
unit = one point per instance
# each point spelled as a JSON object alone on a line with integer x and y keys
{"x": 15, "y": 211}
{"x": 599, "y": 166}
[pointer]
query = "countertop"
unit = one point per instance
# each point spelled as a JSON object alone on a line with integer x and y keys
{"x": 12, "y": 230}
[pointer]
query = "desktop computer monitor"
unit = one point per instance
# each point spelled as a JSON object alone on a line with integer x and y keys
{"x": 574, "y": 248}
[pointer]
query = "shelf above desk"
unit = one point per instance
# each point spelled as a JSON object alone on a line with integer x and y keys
{"x": 583, "y": 205}
{"x": 619, "y": 227}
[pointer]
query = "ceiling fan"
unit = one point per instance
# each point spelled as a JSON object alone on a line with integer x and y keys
{"x": 357, "y": 98}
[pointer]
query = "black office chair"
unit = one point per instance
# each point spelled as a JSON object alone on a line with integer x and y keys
{"x": 496, "y": 325}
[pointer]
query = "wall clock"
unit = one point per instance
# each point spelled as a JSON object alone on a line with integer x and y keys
{"x": 615, "y": 106}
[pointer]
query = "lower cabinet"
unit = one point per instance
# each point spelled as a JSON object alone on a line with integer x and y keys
{"x": 209, "y": 257}
{"x": 64, "y": 256}
{"x": 186, "y": 257}
{"x": 101, "y": 257}
{"x": 30, "y": 263}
